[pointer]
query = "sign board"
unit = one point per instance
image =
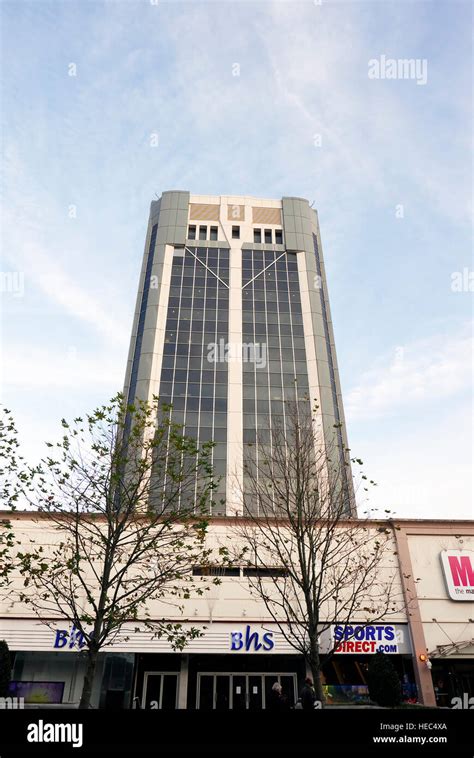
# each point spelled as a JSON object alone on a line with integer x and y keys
{"x": 458, "y": 570}
{"x": 216, "y": 637}
{"x": 251, "y": 640}
{"x": 354, "y": 639}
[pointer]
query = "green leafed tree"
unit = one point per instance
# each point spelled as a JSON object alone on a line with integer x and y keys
{"x": 15, "y": 479}
{"x": 384, "y": 683}
{"x": 126, "y": 497}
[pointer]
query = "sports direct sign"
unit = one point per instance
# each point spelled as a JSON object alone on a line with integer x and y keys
{"x": 373, "y": 638}
{"x": 458, "y": 570}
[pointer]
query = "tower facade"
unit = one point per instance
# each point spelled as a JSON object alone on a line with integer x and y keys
{"x": 232, "y": 325}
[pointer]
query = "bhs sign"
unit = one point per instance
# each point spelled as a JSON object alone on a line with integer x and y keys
{"x": 246, "y": 641}
{"x": 71, "y": 639}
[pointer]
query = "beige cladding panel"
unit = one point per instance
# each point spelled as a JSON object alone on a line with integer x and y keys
{"x": 235, "y": 212}
{"x": 266, "y": 215}
{"x": 204, "y": 212}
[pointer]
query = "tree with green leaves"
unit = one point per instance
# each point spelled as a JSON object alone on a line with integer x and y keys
{"x": 15, "y": 477}
{"x": 384, "y": 683}
{"x": 128, "y": 496}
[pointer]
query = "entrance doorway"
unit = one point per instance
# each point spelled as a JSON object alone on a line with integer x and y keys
{"x": 241, "y": 692}
{"x": 160, "y": 690}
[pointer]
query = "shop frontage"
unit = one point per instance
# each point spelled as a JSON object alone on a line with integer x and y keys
{"x": 215, "y": 682}
{"x": 238, "y": 656}
{"x": 345, "y": 673}
{"x": 437, "y": 561}
{"x": 231, "y": 666}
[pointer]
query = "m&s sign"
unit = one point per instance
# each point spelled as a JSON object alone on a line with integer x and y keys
{"x": 458, "y": 570}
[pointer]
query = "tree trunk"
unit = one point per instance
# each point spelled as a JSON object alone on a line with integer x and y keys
{"x": 315, "y": 664}
{"x": 88, "y": 679}
{"x": 318, "y": 685}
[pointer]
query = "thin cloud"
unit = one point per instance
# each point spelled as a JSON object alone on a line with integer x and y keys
{"x": 414, "y": 375}
{"x": 37, "y": 368}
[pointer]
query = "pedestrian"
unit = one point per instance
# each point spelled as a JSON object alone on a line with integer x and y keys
{"x": 274, "y": 701}
{"x": 277, "y": 700}
{"x": 308, "y": 695}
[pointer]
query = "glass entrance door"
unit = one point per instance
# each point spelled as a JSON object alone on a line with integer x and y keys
{"x": 222, "y": 692}
{"x": 288, "y": 685}
{"x": 241, "y": 692}
{"x": 160, "y": 691}
{"x": 255, "y": 692}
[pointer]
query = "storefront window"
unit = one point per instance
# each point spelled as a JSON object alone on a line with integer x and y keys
{"x": 57, "y": 678}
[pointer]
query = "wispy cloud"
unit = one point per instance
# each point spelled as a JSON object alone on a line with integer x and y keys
{"x": 414, "y": 374}
{"x": 33, "y": 369}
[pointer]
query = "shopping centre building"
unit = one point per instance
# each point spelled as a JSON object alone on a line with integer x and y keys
{"x": 241, "y": 652}
{"x": 232, "y": 322}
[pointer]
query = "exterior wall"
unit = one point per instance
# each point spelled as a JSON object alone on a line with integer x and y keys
{"x": 436, "y": 620}
{"x": 444, "y": 620}
{"x": 170, "y": 215}
{"x": 434, "y": 624}
{"x": 231, "y": 601}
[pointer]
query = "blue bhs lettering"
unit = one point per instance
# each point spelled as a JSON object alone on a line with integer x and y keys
{"x": 75, "y": 638}
{"x": 241, "y": 642}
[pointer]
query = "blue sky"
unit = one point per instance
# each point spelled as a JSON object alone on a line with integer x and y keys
{"x": 391, "y": 179}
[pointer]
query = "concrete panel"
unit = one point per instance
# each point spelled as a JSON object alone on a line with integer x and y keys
{"x": 174, "y": 200}
{"x": 288, "y": 207}
{"x": 172, "y": 217}
{"x": 291, "y": 241}
{"x": 321, "y": 348}
{"x": 162, "y": 235}
{"x": 323, "y": 374}
{"x": 165, "y": 202}
{"x": 180, "y": 235}
{"x": 153, "y": 296}
{"x": 165, "y": 215}
{"x": 182, "y": 217}
{"x": 150, "y": 317}
{"x": 326, "y": 398}
{"x": 290, "y": 225}
{"x": 144, "y": 369}
{"x": 148, "y": 341}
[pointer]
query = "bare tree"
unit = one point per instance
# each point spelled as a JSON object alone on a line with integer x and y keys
{"x": 128, "y": 497}
{"x": 329, "y": 568}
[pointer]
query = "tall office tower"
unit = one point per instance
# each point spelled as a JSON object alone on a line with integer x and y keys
{"x": 232, "y": 320}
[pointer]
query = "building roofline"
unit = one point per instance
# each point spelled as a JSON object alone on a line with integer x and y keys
{"x": 445, "y": 524}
